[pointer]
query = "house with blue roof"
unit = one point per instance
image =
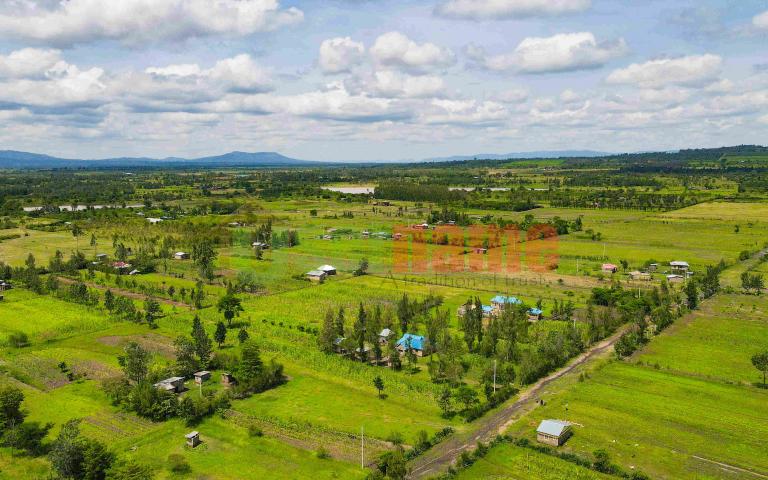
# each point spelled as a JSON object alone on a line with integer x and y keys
{"x": 416, "y": 343}
{"x": 535, "y": 314}
{"x": 501, "y": 300}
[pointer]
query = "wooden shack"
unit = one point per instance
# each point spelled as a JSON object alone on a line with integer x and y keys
{"x": 193, "y": 439}
{"x": 227, "y": 379}
{"x": 202, "y": 376}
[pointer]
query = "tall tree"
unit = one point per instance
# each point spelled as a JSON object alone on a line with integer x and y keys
{"x": 251, "y": 364}
{"x": 760, "y": 361}
{"x": 134, "y": 362}
{"x": 203, "y": 346}
{"x": 328, "y": 334}
{"x": 220, "y": 335}
{"x": 360, "y": 332}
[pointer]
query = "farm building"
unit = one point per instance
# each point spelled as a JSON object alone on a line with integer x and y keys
{"x": 553, "y": 432}
{"x": 637, "y": 275}
{"x": 101, "y": 256}
{"x": 397, "y": 236}
{"x": 173, "y": 384}
{"x": 193, "y": 439}
{"x": 609, "y": 267}
{"x": 181, "y": 256}
{"x": 134, "y": 272}
{"x": 260, "y": 245}
{"x": 535, "y": 314}
{"x": 338, "y": 344}
{"x": 328, "y": 269}
{"x": 481, "y": 250}
{"x": 499, "y": 301}
{"x": 416, "y": 343}
{"x": 121, "y": 266}
{"x": 5, "y": 286}
{"x": 679, "y": 266}
{"x": 675, "y": 278}
{"x": 384, "y": 336}
{"x": 227, "y": 379}
{"x": 653, "y": 267}
{"x": 154, "y": 220}
{"x": 316, "y": 276}
{"x": 202, "y": 376}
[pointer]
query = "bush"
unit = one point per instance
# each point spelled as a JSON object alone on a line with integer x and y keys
{"x": 178, "y": 464}
{"x": 322, "y": 453}
{"x": 18, "y": 340}
{"x": 255, "y": 431}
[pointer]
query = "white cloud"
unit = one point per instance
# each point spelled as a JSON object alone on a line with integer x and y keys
{"x": 470, "y": 113}
{"x": 763, "y": 119}
{"x": 64, "y": 87}
{"x": 340, "y": 54}
{"x": 761, "y": 20}
{"x": 141, "y": 21}
{"x": 237, "y": 74}
{"x": 500, "y": 9}
{"x": 512, "y": 95}
{"x": 694, "y": 70}
{"x": 393, "y": 84}
{"x": 338, "y": 104}
{"x": 397, "y": 50}
{"x": 558, "y": 53}
{"x": 28, "y": 63}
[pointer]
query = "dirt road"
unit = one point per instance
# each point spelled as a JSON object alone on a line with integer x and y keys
{"x": 440, "y": 457}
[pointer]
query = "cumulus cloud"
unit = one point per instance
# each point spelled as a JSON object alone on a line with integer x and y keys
{"x": 394, "y": 49}
{"x": 559, "y": 53}
{"x": 340, "y": 54}
{"x": 470, "y": 113}
{"x": 512, "y": 95}
{"x": 394, "y": 84}
{"x": 28, "y": 63}
{"x": 339, "y": 104}
{"x": 694, "y": 70}
{"x": 502, "y": 9}
{"x": 64, "y": 88}
{"x": 237, "y": 74}
{"x": 141, "y": 21}
{"x": 761, "y": 20}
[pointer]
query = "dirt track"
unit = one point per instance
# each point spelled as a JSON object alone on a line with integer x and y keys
{"x": 439, "y": 458}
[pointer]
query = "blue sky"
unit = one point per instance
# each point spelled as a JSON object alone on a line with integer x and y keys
{"x": 380, "y": 80}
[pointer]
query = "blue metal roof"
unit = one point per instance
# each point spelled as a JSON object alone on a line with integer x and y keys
{"x": 504, "y": 299}
{"x": 552, "y": 427}
{"x": 415, "y": 341}
{"x": 535, "y": 311}
{"x": 487, "y": 308}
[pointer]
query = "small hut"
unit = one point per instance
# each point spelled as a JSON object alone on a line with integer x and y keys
{"x": 553, "y": 432}
{"x": 193, "y": 439}
{"x": 202, "y": 376}
{"x": 317, "y": 276}
{"x": 227, "y": 379}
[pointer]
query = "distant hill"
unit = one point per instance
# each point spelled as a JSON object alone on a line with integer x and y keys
{"x": 15, "y": 159}
{"x": 522, "y": 155}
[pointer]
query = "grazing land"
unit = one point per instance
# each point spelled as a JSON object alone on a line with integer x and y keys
{"x": 336, "y": 317}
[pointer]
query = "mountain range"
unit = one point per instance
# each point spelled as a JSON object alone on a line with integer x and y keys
{"x": 25, "y": 160}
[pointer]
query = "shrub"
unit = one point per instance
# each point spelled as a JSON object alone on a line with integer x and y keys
{"x": 178, "y": 464}
{"x": 18, "y": 340}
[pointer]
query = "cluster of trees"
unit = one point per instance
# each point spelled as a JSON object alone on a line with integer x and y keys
{"x": 416, "y": 192}
{"x": 648, "y": 314}
{"x": 72, "y": 455}
{"x": 135, "y": 390}
{"x": 750, "y": 281}
{"x": 286, "y": 238}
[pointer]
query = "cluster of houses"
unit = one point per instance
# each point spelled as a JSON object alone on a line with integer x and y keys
{"x": 417, "y": 344}
{"x": 321, "y": 273}
{"x": 498, "y": 302}
{"x": 176, "y": 384}
{"x": 124, "y": 267}
{"x": 678, "y": 271}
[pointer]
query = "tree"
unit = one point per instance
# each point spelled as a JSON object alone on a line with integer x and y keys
{"x": 362, "y": 267}
{"x": 109, "y": 300}
{"x": 242, "y": 335}
{"x": 378, "y": 383}
{"x": 444, "y": 402}
{"x": 326, "y": 339}
{"x": 186, "y": 358}
{"x": 10, "y": 407}
{"x": 204, "y": 256}
{"x": 151, "y": 310}
{"x": 624, "y": 265}
{"x": 692, "y": 294}
{"x": 251, "y": 364}
{"x": 203, "y": 347}
{"x": 466, "y": 395}
{"x": 66, "y": 453}
{"x": 230, "y": 306}
{"x": 134, "y": 362}
{"x": 27, "y": 436}
{"x": 220, "y": 336}
{"x": 359, "y": 331}
{"x": 760, "y": 361}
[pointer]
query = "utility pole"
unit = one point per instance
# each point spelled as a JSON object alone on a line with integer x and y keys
{"x": 494, "y": 375}
{"x": 362, "y": 447}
